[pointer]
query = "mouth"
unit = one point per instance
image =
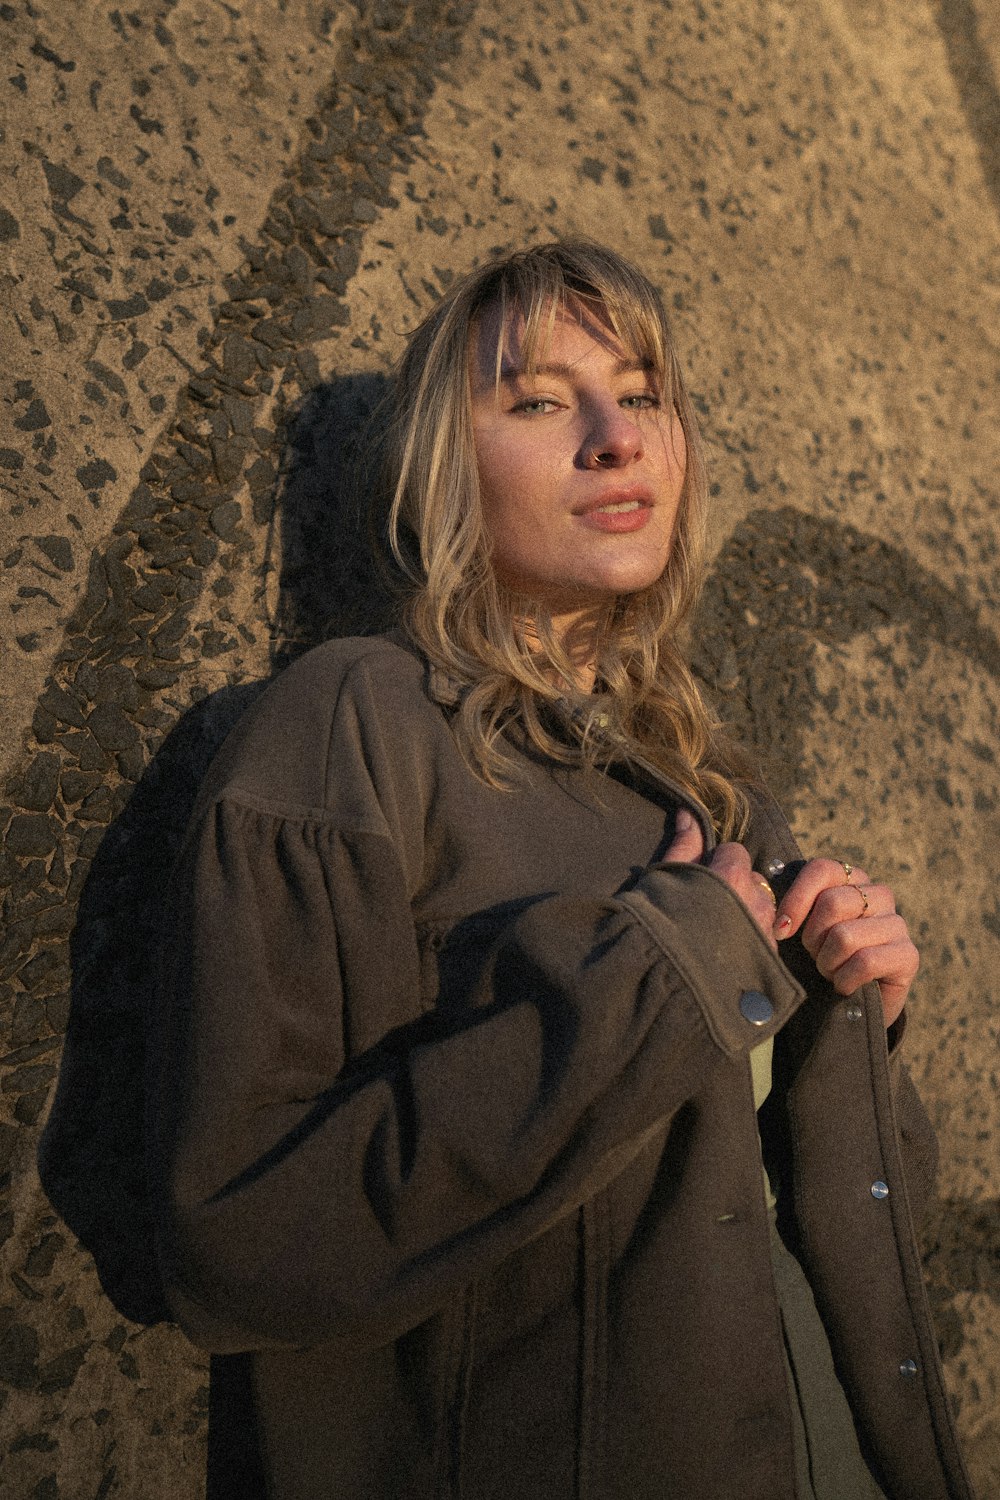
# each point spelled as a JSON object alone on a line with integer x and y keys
{"x": 620, "y": 501}
{"x": 622, "y": 510}
{"x": 617, "y": 507}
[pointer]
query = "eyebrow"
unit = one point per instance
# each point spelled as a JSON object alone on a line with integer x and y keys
{"x": 511, "y": 371}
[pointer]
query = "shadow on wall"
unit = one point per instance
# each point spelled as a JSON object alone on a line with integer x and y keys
{"x": 327, "y": 535}
{"x": 795, "y": 580}
{"x": 976, "y": 82}
{"x": 91, "y": 1157}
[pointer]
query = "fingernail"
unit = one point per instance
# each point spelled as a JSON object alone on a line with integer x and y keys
{"x": 684, "y": 821}
{"x": 782, "y": 926}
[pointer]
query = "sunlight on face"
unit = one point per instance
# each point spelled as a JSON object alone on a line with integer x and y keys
{"x": 581, "y": 467}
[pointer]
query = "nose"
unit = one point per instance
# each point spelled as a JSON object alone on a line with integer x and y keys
{"x": 614, "y": 438}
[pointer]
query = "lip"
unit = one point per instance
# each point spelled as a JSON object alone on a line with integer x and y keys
{"x": 637, "y": 497}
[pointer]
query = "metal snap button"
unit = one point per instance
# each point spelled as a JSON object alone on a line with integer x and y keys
{"x": 853, "y": 1012}
{"x": 880, "y": 1189}
{"x": 907, "y": 1368}
{"x": 756, "y": 1008}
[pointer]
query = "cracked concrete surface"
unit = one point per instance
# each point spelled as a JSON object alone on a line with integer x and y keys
{"x": 216, "y": 223}
{"x": 135, "y": 166}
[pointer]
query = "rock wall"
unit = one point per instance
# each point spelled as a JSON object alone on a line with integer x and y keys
{"x": 216, "y": 222}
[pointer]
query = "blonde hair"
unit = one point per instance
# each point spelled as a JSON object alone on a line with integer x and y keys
{"x": 646, "y": 704}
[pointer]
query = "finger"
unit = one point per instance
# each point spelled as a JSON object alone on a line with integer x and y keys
{"x": 732, "y": 863}
{"x": 844, "y": 904}
{"x": 893, "y": 1000}
{"x": 842, "y": 942}
{"x": 688, "y": 845}
{"x": 890, "y": 958}
{"x": 892, "y": 963}
{"x": 816, "y": 876}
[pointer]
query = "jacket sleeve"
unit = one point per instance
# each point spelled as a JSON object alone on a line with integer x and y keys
{"x": 332, "y": 1158}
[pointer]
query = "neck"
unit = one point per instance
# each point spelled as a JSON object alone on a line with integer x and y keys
{"x": 576, "y": 636}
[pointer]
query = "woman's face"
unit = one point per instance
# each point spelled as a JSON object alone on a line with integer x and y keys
{"x": 580, "y": 466}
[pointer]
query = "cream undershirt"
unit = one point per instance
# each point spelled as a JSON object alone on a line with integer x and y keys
{"x": 760, "y": 1068}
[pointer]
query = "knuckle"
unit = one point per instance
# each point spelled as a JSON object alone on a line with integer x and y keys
{"x": 839, "y": 946}
{"x": 731, "y": 857}
{"x": 825, "y": 905}
{"x": 853, "y": 974}
{"x": 811, "y": 940}
{"x": 867, "y": 966}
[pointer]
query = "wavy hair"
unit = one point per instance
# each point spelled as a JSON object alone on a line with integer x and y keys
{"x": 508, "y": 663}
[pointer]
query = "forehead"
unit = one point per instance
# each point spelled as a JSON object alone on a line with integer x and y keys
{"x": 505, "y": 344}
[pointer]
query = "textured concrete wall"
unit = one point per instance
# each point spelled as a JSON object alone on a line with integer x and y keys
{"x": 216, "y": 220}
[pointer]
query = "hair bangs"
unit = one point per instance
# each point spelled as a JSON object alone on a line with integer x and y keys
{"x": 536, "y": 288}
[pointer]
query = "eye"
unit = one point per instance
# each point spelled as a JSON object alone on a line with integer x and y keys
{"x": 642, "y": 401}
{"x": 532, "y": 406}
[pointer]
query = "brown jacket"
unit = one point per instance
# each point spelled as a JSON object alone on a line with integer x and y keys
{"x": 454, "y": 1129}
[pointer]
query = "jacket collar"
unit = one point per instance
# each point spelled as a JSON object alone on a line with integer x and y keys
{"x": 446, "y": 690}
{"x": 443, "y": 687}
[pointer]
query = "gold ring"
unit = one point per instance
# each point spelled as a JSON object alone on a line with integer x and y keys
{"x": 847, "y": 870}
{"x": 766, "y": 886}
{"x": 864, "y": 898}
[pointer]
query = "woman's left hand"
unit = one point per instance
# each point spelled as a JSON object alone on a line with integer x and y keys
{"x": 851, "y": 929}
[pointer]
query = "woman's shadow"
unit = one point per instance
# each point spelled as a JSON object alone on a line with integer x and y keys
{"x": 91, "y": 1158}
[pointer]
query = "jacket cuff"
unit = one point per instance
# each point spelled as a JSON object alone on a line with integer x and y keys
{"x": 742, "y": 988}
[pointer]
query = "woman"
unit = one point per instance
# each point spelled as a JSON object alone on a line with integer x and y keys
{"x": 474, "y": 982}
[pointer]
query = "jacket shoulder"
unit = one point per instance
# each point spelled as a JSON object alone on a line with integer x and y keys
{"x": 322, "y": 673}
{"x": 335, "y": 706}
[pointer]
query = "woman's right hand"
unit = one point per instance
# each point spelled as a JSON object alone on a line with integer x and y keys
{"x": 731, "y": 863}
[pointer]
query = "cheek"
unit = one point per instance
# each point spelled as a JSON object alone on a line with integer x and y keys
{"x": 511, "y": 480}
{"x": 499, "y": 508}
{"x": 492, "y": 462}
{"x": 513, "y": 531}
{"x": 673, "y": 453}
{"x": 494, "y": 500}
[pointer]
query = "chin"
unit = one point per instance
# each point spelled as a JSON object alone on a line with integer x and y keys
{"x": 635, "y": 581}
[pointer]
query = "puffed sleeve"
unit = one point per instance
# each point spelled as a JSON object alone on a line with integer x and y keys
{"x": 332, "y": 1158}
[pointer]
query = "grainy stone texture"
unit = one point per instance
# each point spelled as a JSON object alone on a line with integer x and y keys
{"x": 138, "y": 160}
{"x": 216, "y": 222}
